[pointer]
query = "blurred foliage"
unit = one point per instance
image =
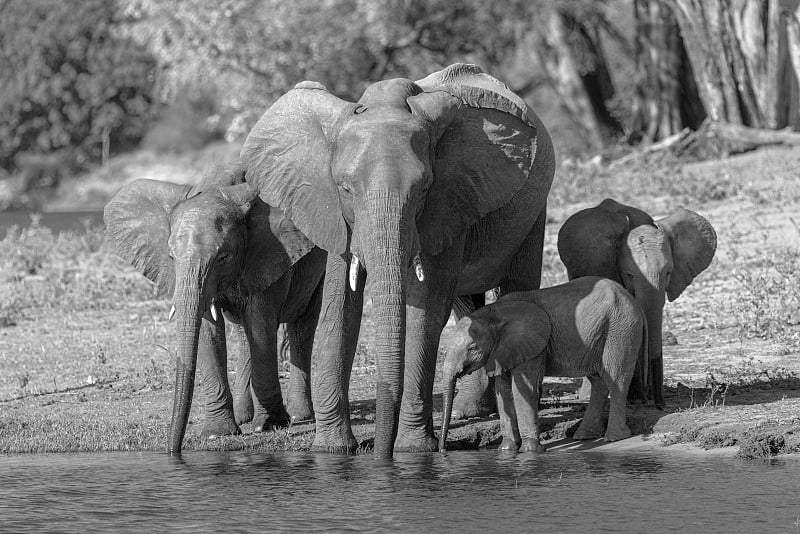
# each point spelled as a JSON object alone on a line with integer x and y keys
{"x": 257, "y": 49}
{"x": 74, "y": 70}
{"x": 68, "y": 77}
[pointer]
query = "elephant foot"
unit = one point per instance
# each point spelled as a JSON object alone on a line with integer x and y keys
{"x": 270, "y": 421}
{"x": 415, "y": 441}
{"x": 637, "y": 395}
{"x": 508, "y": 445}
{"x": 616, "y": 434}
{"x": 301, "y": 411}
{"x": 216, "y": 428}
{"x": 531, "y": 445}
{"x": 243, "y": 410}
{"x": 475, "y": 398}
{"x": 588, "y": 432}
{"x": 338, "y": 440}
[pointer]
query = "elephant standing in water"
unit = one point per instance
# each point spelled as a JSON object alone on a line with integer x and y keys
{"x": 589, "y": 326}
{"x": 431, "y": 189}
{"x": 214, "y": 247}
{"x": 649, "y": 258}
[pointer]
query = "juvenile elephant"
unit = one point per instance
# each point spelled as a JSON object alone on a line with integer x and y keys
{"x": 435, "y": 188}
{"x": 587, "y": 327}
{"x": 649, "y": 258}
{"x": 218, "y": 247}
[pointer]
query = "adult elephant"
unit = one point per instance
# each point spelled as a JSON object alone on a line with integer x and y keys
{"x": 435, "y": 188}
{"x": 216, "y": 247}
{"x": 649, "y": 258}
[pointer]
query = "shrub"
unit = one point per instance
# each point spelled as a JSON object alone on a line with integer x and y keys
{"x": 67, "y": 79}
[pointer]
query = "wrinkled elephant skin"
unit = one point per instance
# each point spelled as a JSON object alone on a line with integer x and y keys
{"x": 589, "y": 326}
{"x": 650, "y": 258}
{"x": 223, "y": 255}
{"x": 424, "y": 190}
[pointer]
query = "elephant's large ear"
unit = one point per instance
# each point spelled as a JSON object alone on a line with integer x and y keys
{"x": 694, "y": 242}
{"x": 218, "y": 176}
{"x": 274, "y": 245}
{"x": 589, "y": 241}
{"x": 287, "y": 156}
{"x": 523, "y": 332}
{"x": 636, "y": 217}
{"x": 137, "y": 228}
{"x": 483, "y": 156}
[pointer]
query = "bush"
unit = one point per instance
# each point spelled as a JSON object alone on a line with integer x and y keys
{"x": 68, "y": 79}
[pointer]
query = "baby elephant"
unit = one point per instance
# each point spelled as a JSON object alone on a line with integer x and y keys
{"x": 589, "y": 326}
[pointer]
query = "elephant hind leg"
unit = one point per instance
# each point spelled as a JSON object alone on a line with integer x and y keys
{"x": 243, "y": 408}
{"x": 592, "y": 425}
{"x": 301, "y": 342}
{"x": 617, "y": 427}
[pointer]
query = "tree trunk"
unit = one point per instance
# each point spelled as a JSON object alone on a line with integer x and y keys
{"x": 574, "y": 63}
{"x": 746, "y": 57}
{"x": 666, "y": 98}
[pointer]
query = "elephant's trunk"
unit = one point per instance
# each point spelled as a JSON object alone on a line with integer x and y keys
{"x": 190, "y": 311}
{"x": 653, "y": 303}
{"x": 387, "y": 264}
{"x": 447, "y": 409}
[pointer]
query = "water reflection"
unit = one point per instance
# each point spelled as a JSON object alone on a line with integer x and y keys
{"x": 470, "y": 491}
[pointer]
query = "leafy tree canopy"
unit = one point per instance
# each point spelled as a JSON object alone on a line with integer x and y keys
{"x": 68, "y": 77}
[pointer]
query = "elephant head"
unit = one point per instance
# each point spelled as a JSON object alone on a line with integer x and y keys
{"x": 649, "y": 258}
{"x": 500, "y": 337}
{"x": 203, "y": 246}
{"x": 393, "y": 179}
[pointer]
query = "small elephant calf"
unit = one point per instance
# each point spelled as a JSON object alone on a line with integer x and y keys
{"x": 589, "y": 326}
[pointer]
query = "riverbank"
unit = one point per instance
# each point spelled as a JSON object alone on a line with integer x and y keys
{"x": 88, "y": 353}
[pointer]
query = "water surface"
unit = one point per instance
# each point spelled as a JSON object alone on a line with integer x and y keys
{"x": 483, "y": 491}
{"x": 55, "y": 220}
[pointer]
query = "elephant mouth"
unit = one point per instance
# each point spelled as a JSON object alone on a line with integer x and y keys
{"x": 356, "y": 265}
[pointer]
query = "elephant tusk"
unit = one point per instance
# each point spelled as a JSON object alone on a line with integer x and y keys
{"x": 355, "y": 266}
{"x": 420, "y": 272}
{"x": 214, "y": 311}
{"x": 171, "y": 313}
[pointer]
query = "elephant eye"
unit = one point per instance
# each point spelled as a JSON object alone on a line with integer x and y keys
{"x": 223, "y": 257}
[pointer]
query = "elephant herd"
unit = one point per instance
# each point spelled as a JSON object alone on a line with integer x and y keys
{"x": 430, "y": 193}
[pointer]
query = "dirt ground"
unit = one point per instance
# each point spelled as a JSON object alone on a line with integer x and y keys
{"x": 98, "y": 375}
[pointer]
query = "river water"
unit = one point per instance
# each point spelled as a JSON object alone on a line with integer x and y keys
{"x": 483, "y": 491}
{"x": 56, "y": 220}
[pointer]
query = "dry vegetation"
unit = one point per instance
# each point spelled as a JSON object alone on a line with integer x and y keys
{"x": 88, "y": 354}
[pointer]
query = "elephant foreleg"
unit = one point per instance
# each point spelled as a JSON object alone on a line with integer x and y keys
{"x": 242, "y": 392}
{"x": 526, "y": 385}
{"x": 212, "y": 362}
{"x": 332, "y": 359}
{"x": 261, "y": 328}
{"x": 301, "y": 341}
{"x": 508, "y": 413}
{"x": 427, "y": 310}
